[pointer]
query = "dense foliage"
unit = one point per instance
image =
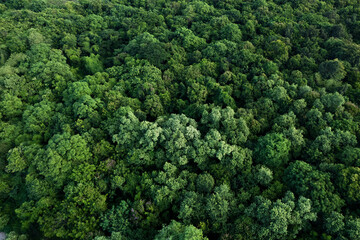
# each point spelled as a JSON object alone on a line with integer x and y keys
{"x": 180, "y": 119}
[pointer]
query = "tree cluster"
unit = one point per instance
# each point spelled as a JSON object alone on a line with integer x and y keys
{"x": 180, "y": 119}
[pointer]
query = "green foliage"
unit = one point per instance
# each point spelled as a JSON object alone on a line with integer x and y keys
{"x": 15, "y": 236}
{"x": 178, "y": 231}
{"x": 146, "y": 46}
{"x": 176, "y": 119}
{"x": 219, "y": 204}
{"x": 204, "y": 183}
{"x": 334, "y": 223}
{"x": 281, "y": 219}
{"x": 349, "y": 184}
{"x": 332, "y": 101}
{"x": 278, "y": 50}
{"x": 332, "y": 69}
{"x": 272, "y": 150}
{"x": 191, "y": 209}
{"x": 11, "y": 106}
{"x": 264, "y": 175}
{"x": 304, "y": 180}
{"x": 117, "y": 219}
{"x": 93, "y": 64}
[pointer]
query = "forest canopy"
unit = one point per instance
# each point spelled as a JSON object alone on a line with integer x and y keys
{"x": 180, "y": 119}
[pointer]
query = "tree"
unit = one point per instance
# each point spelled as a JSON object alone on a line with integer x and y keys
{"x": 272, "y": 150}
{"x": 117, "y": 219}
{"x": 15, "y": 236}
{"x": 11, "y": 106}
{"x": 178, "y": 231}
{"x": 141, "y": 79}
{"x": 350, "y": 156}
{"x": 153, "y": 106}
{"x": 352, "y": 228}
{"x": 123, "y": 127}
{"x": 62, "y": 153}
{"x": 315, "y": 121}
{"x": 332, "y": 101}
{"x": 38, "y": 118}
{"x": 348, "y": 183}
{"x": 327, "y": 142}
{"x": 16, "y": 160}
{"x": 231, "y": 32}
{"x": 334, "y": 223}
{"x": 332, "y": 69}
{"x": 235, "y": 129}
{"x": 263, "y": 175}
{"x": 278, "y": 50}
{"x": 219, "y": 204}
{"x": 204, "y": 183}
{"x": 47, "y": 67}
{"x": 93, "y": 64}
{"x": 189, "y": 40}
{"x": 281, "y": 219}
{"x": 303, "y": 179}
{"x": 146, "y": 46}
{"x": 191, "y": 210}
{"x": 86, "y": 107}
